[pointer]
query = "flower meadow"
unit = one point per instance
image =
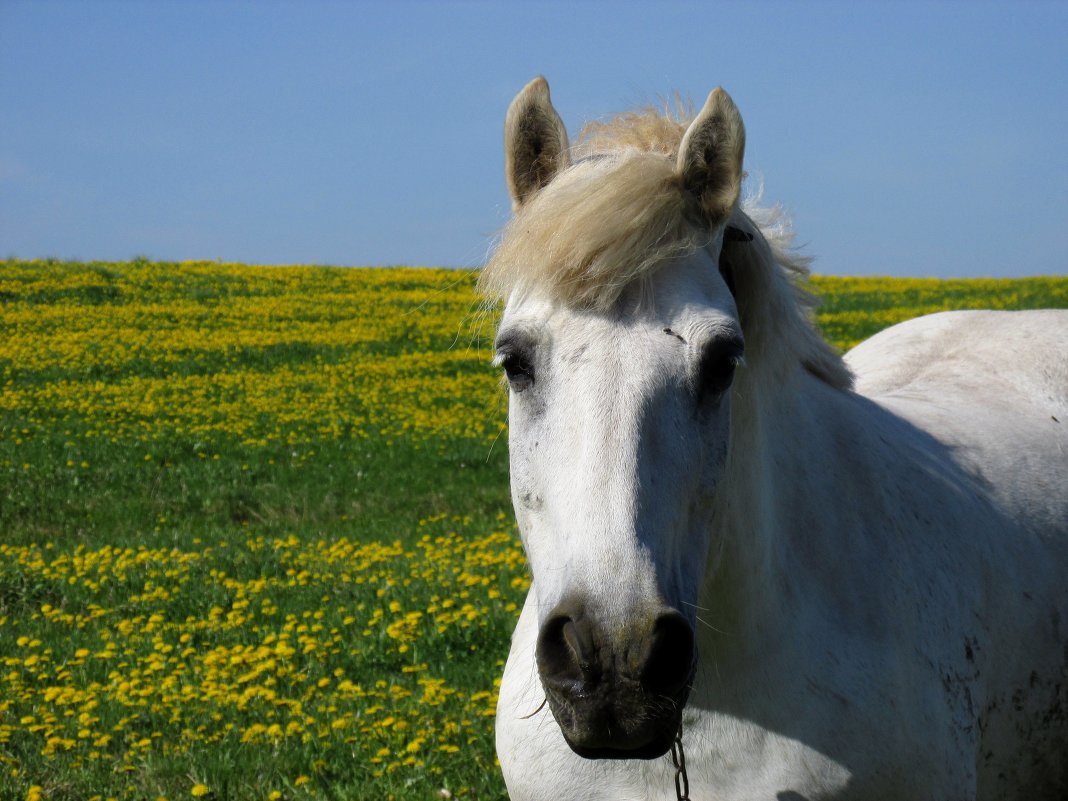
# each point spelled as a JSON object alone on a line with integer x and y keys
{"x": 255, "y": 533}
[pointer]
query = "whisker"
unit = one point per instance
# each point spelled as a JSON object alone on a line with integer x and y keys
{"x": 695, "y": 606}
{"x": 704, "y": 622}
{"x": 541, "y": 706}
{"x": 489, "y": 453}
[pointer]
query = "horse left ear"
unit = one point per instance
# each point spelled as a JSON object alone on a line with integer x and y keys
{"x": 710, "y": 157}
{"x": 535, "y": 142}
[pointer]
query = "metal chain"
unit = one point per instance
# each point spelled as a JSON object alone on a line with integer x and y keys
{"x": 678, "y": 759}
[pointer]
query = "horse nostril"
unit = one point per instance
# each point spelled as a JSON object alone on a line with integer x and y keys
{"x": 669, "y": 657}
{"x": 565, "y": 651}
{"x": 571, "y": 659}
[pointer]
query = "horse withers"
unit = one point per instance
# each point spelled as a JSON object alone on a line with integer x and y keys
{"x": 838, "y": 577}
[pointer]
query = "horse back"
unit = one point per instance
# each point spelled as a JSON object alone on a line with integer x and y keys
{"x": 993, "y": 388}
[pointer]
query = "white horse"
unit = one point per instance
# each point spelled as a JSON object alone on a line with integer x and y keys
{"x": 840, "y": 590}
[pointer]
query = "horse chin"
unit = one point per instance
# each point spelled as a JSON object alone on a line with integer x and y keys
{"x": 652, "y": 750}
{"x": 618, "y": 730}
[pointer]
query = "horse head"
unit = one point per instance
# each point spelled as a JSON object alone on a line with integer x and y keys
{"x": 619, "y": 340}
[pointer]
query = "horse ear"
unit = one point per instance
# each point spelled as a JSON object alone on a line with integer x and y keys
{"x": 710, "y": 157}
{"x": 535, "y": 142}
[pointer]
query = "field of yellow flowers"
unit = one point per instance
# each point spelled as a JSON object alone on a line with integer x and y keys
{"x": 255, "y": 535}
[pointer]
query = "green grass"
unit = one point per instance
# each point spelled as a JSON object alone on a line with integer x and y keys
{"x": 255, "y": 534}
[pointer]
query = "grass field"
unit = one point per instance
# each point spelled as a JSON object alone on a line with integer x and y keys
{"x": 255, "y": 534}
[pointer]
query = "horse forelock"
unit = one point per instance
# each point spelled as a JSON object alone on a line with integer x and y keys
{"x": 620, "y": 211}
{"x": 651, "y": 129}
{"x": 599, "y": 226}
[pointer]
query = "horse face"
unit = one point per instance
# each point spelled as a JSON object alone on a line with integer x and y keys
{"x": 618, "y": 433}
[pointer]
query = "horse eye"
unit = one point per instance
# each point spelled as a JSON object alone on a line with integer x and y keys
{"x": 716, "y": 371}
{"x": 519, "y": 370}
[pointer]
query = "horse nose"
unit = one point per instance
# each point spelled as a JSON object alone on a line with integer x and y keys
{"x": 572, "y": 656}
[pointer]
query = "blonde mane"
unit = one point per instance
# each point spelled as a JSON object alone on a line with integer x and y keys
{"x": 593, "y": 232}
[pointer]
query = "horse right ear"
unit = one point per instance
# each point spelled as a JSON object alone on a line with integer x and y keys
{"x": 710, "y": 157}
{"x": 535, "y": 142}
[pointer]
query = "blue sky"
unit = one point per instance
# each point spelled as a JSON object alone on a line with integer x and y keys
{"x": 905, "y": 138}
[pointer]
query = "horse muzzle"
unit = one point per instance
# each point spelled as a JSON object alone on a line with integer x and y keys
{"x": 622, "y": 696}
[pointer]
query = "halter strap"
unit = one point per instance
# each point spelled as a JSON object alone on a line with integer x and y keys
{"x": 734, "y": 234}
{"x": 731, "y": 234}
